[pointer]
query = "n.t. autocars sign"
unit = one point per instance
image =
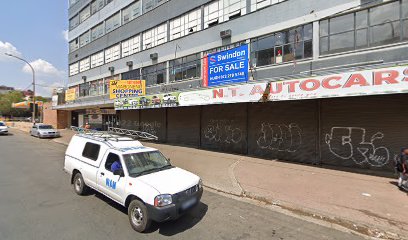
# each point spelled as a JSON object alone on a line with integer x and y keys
{"x": 226, "y": 67}
{"x": 369, "y": 82}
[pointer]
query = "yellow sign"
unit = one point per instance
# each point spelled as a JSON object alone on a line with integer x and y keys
{"x": 70, "y": 94}
{"x": 126, "y": 88}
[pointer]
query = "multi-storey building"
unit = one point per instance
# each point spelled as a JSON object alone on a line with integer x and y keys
{"x": 166, "y": 44}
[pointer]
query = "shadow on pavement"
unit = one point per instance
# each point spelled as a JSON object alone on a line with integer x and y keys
{"x": 9, "y": 134}
{"x": 169, "y": 228}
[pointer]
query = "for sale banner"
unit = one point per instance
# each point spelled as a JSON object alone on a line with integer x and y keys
{"x": 226, "y": 67}
{"x": 369, "y": 82}
{"x": 126, "y": 88}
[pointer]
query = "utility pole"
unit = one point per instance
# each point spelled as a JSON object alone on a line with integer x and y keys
{"x": 32, "y": 69}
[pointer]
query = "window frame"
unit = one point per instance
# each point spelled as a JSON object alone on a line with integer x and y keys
{"x": 91, "y": 157}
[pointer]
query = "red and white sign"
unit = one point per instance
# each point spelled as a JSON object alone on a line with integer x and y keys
{"x": 231, "y": 94}
{"x": 369, "y": 82}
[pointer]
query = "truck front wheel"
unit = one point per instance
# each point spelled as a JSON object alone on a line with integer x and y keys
{"x": 138, "y": 216}
{"x": 79, "y": 185}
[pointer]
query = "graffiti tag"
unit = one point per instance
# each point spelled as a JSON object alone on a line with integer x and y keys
{"x": 280, "y": 137}
{"x": 223, "y": 131}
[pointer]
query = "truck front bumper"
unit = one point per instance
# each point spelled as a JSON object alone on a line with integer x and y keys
{"x": 175, "y": 210}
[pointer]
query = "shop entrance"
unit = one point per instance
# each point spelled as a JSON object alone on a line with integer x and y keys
{"x": 110, "y": 121}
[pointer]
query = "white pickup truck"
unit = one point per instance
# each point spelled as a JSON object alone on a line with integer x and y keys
{"x": 138, "y": 177}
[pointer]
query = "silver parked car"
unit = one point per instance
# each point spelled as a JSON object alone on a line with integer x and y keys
{"x": 3, "y": 128}
{"x": 43, "y": 131}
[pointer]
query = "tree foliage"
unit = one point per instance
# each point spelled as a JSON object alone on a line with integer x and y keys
{"x": 6, "y": 101}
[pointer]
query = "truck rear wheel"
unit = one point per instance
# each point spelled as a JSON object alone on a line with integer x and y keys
{"x": 138, "y": 216}
{"x": 80, "y": 187}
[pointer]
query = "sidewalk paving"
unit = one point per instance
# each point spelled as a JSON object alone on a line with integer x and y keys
{"x": 367, "y": 204}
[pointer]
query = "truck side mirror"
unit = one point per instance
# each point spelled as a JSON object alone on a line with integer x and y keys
{"x": 119, "y": 172}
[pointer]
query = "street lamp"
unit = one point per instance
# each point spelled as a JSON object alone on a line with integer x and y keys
{"x": 32, "y": 69}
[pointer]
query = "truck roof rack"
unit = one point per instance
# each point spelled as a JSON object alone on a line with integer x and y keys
{"x": 115, "y": 134}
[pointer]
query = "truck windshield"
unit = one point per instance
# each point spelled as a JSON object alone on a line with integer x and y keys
{"x": 145, "y": 162}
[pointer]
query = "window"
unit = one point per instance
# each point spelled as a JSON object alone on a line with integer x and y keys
{"x": 151, "y": 4}
{"x": 110, "y": 159}
{"x": 85, "y": 13}
{"x": 155, "y": 74}
{"x": 131, "y": 75}
{"x": 131, "y": 46}
{"x": 74, "y": 22}
{"x": 84, "y": 39}
{"x": 155, "y": 36}
{"x": 84, "y": 65}
{"x": 73, "y": 45}
{"x": 97, "y": 32}
{"x": 385, "y": 24}
{"x": 91, "y": 151}
{"x": 375, "y": 26}
{"x": 185, "y": 24}
{"x": 97, "y": 59}
{"x": 72, "y": 2}
{"x": 258, "y": 4}
{"x": 185, "y": 68}
{"x": 93, "y": 88}
{"x": 112, "y": 23}
{"x": 212, "y": 14}
{"x": 284, "y": 46}
{"x": 234, "y": 8}
{"x": 84, "y": 89}
{"x": 73, "y": 69}
{"x": 107, "y": 82}
{"x": 223, "y": 48}
{"x": 97, "y": 5}
{"x": 100, "y": 87}
{"x": 112, "y": 53}
{"x": 131, "y": 12}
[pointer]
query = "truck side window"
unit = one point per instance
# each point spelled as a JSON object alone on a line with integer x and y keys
{"x": 110, "y": 160}
{"x": 91, "y": 151}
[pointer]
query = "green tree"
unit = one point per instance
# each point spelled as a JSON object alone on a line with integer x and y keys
{"x": 6, "y": 101}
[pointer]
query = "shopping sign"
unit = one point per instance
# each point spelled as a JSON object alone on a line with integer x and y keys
{"x": 226, "y": 67}
{"x": 70, "y": 94}
{"x": 369, "y": 82}
{"x": 126, "y": 88}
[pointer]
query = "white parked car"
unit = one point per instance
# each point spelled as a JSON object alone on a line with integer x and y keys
{"x": 137, "y": 177}
{"x": 43, "y": 131}
{"x": 3, "y": 128}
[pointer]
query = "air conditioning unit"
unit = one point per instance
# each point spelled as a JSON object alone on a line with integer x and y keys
{"x": 154, "y": 56}
{"x": 225, "y": 33}
{"x": 111, "y": 69}
{"x": 129, "y": 64}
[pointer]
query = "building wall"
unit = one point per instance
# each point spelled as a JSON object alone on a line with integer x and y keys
{"x": 57, "y": 118}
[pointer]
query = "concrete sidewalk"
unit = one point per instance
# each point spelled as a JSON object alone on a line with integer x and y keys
{"x": 366, "y": 204}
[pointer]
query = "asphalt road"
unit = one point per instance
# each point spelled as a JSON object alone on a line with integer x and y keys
{"x": 38, "y": 202}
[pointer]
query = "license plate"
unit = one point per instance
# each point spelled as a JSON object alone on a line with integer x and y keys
{"x": 188, "y": 203}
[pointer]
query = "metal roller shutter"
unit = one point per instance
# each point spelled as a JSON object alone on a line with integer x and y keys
{"x": 153, "y": 121}
{"x": 183, "y": 126}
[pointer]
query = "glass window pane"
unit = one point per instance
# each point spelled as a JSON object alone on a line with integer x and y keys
{"x": 324, "y": 45}
{"x": 295, "y": 35}
{"x": 324, "y": 28}
{"x": 361, "y": 19}
{"x": 280, "y": 38}
{"x": 361, "y": 38}
{"x": 384, "y": 13}
{"x": 308, "y": 32}
{"x": 385, "y": 33}
{"x": 288, "y": 53}
{"x": 342, "y": 23}
{"x": 308, "y": 49}
{"x": 342, "y": 42}
{"x": 405, "y": 29}
{"x": 404, "y": 8}
{"x": 265, "y": 57}
{"x": 266, "y": 42}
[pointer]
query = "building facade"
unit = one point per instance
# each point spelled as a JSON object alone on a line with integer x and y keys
{"x": 166, "y": 43}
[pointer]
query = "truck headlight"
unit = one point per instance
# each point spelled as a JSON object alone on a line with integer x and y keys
{"x": 163, "y": 200}
{"x": 200, "y": 184}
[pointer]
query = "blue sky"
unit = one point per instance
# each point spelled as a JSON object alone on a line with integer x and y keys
{"x": 34, "y": 30}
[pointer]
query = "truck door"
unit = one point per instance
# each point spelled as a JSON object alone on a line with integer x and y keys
{"x": 109, "y": 184}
